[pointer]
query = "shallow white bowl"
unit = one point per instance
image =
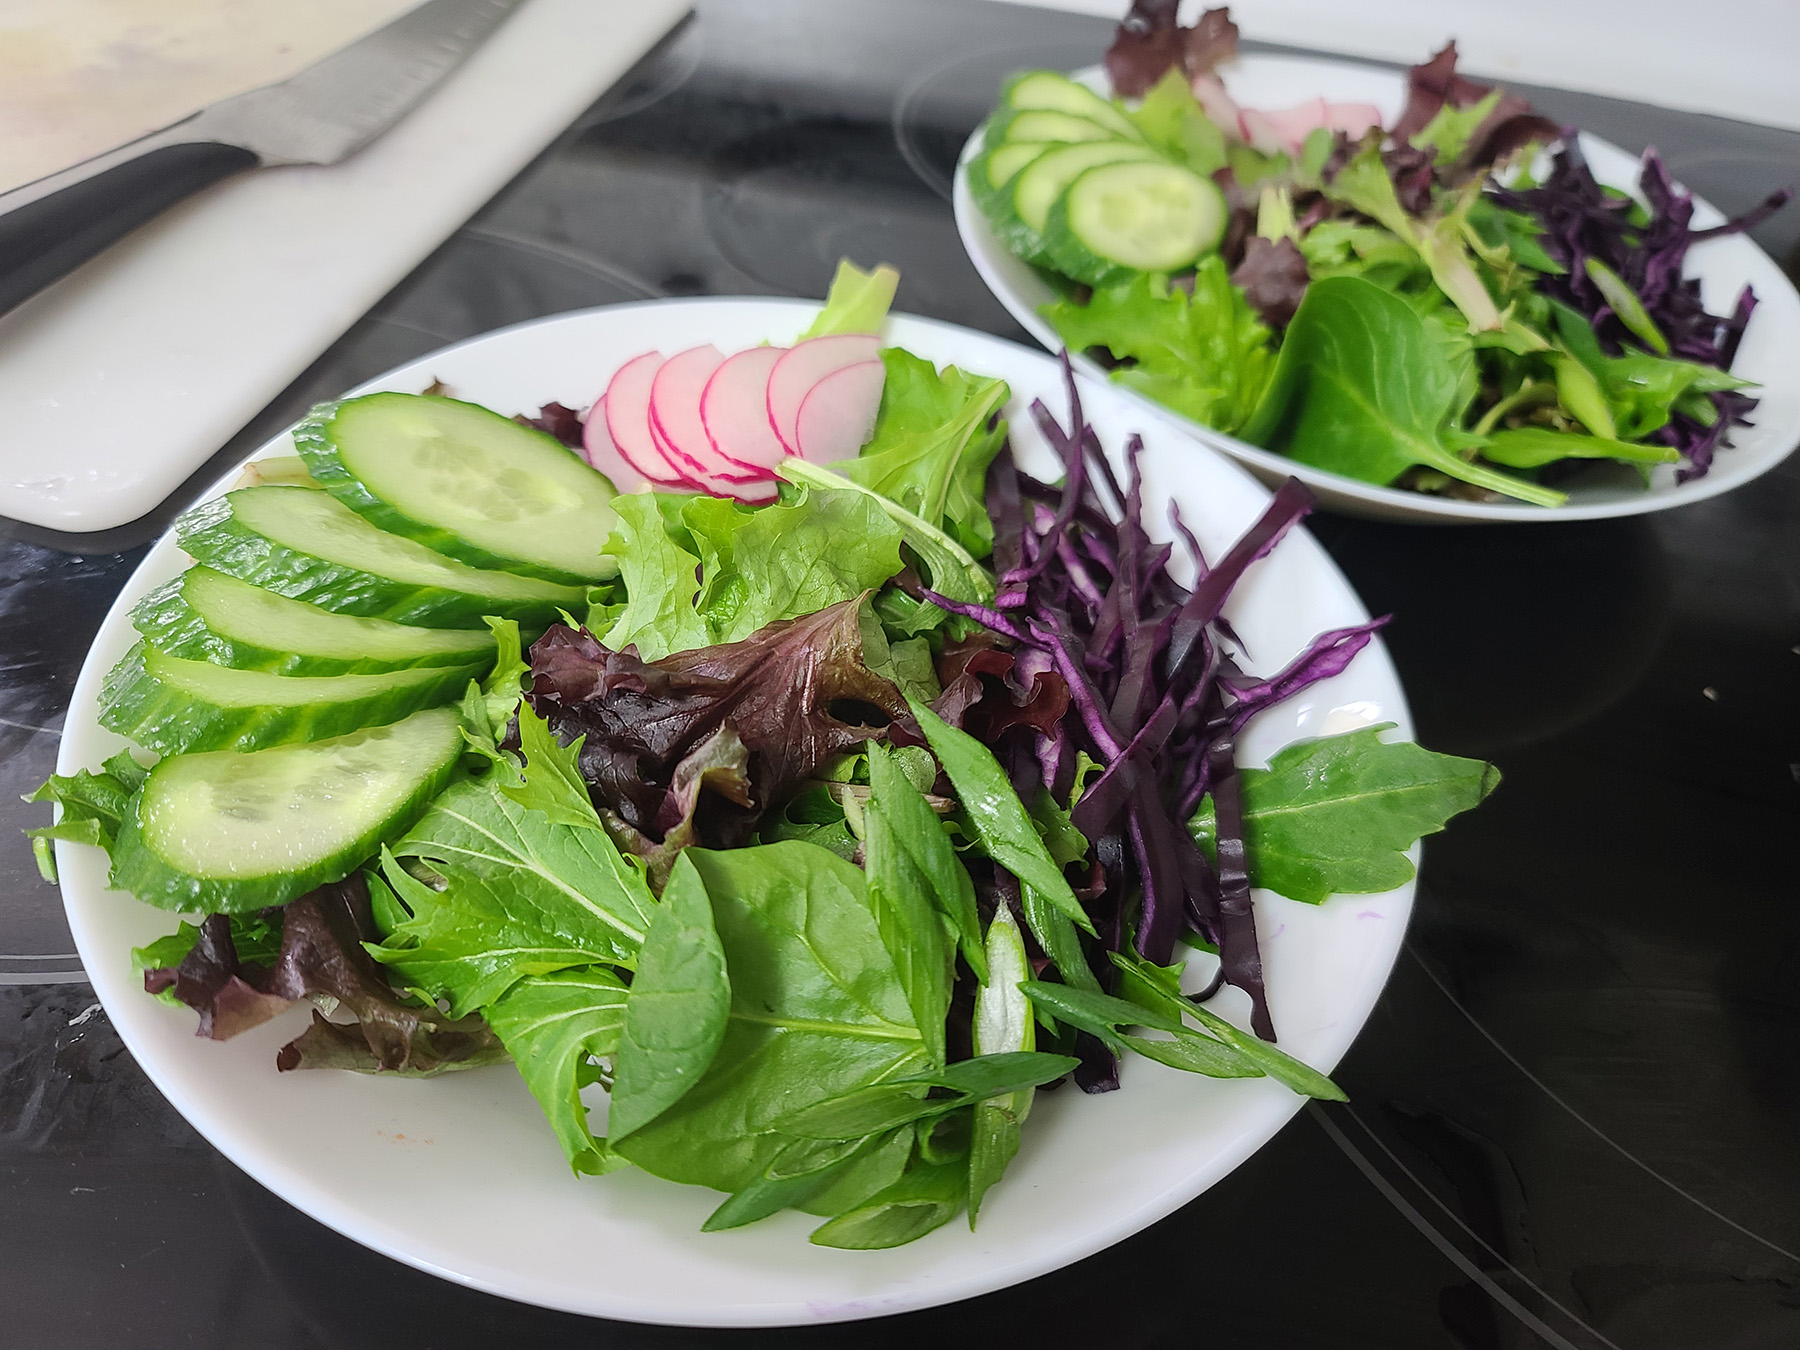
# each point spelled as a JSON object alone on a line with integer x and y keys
{"x": 1769, "y": 355}
{"x": 460, "y": 1176}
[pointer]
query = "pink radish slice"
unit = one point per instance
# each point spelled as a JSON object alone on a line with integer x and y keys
{"x": 839, "y": 412}
{"x": 627, "y": 405}
{"x": 675, "y": 416}
{"x": 598, "y": 449}
{"x": 803, "y": 366}
{"x": 734, "y": 408}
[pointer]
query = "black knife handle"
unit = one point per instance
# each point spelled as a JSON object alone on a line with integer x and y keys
{"x": 43, "y": 241}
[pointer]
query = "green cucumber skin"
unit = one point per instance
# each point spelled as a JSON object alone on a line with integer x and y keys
{"x": 167, "y": 621}
{"x": 312, "y": 438}
{"x": 211, "y": 534}
{"x": 1073, "y": 258}
{"x": 137, "y": 705}
{"x": 138, "y": 871}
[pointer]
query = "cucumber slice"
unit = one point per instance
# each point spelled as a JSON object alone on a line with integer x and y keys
{"x": 171, "y": 704}
{"x": 465, "y": 481}
{"x": 231, "y": 831}
{"x": 1134, "y": 217}
{"x": 207, "y": 616}
{"x": 1002, "y": 163}
{"x": 307, "y": 545}
{"x": 1053, "y": 91}
{"x": 1041, "y": 182}
{"x": 989, "y": 175}
{"x": 1036, "y": 125}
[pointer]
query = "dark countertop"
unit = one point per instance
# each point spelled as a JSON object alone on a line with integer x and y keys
{"x": 1574, "y": 1111}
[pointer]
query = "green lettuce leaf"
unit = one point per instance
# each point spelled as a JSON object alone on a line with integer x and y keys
{"x": 932, "y": 445}
{"x": 93, "y": 805}
{"x": 1171, "y": 119}
{"x": 1336, "y": 815}
{"x": 661, "y": 580}
{"x": 1206, "y": 355}
{"x": 858, "y": 301}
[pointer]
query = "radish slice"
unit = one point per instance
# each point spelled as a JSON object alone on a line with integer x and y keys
{"x": 627, "y": 406}
{"x": 838, "y": 413}
{"x": 598, "y": 449}
{"x": 804, "y": 365}
{"x": 734, "y": 408}
{"x": 675, "y": 416}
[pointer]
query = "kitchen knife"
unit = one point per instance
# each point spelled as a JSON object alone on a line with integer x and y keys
{"x": 329, "y": 110}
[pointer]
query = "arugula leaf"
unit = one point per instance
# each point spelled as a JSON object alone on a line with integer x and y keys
{"x": 927, "y": 1196}
{"x": 93, "y": 806}
{"x": 522, "y": 895}
{"x": 934, "y": 438}
{"x": 1335, "y": 815}
{"x": 817, "y": 1010}
{"x": 1207, "y": 355}
{"x": 1106, "y": 1017}
{"x": 1001, "y": 823}
{"x": 553, "y": 785}
{"x": 675, "y": 1017}
{"x": 918, "y": 835}
{"x": 555, "y": 1026}
{"x": 661, "y": 580}
{"x": 1159, "y": 987}
{"x": 858, "y": 301}
{"x": 1363, "y": 389}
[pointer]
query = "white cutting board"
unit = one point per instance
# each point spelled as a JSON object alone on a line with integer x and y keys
{"x": 119, "y": 381}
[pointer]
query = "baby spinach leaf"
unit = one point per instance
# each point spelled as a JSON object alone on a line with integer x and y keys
{"x": 817, "y": 1010}
{"x": 1001, "y": 822}
{"x": 918, "y": 835}
{"x": 934, "y": 438}
{"x": 676, "y": 1015}
{"x": 554, "y": 1026}
{"x": 1363, "y": 389}
{"x": 927, "y": 1196}
{"x": 1335, "y": 815}
{"x": 1207, "y": 355}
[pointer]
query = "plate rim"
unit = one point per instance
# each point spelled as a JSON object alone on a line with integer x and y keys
{"x": 1338, "y": 491}
{"x": 294, "y": 1183}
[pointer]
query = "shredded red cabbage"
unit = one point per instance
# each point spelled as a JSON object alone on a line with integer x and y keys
{"x": 1154, "y": 690}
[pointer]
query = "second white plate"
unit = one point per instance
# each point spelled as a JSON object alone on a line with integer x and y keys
{"x": 1769, "y": 355}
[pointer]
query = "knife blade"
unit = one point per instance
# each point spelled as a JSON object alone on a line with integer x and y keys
{"x": 319, "y": 116}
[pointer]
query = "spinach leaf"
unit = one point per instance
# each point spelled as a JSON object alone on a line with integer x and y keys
{"x": 676, "y": 1015}
{"x": 817, "y": 1010}
{"x": 1207, "y": 355}
{"x": 555, "y": 1026}
{"x": 1363, "y": 389}
{"x": 1335, "y": 815}
{"x": 934, "y": 438}
{"x": 1002, "y": 825}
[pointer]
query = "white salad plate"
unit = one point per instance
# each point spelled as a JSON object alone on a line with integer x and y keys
{"x": 459, "y": 1175}
{"x": 1769, "y": 354}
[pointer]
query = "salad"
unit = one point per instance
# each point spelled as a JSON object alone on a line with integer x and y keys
{"x": 807, "y": 812}
{"x": 1451, "y": 304}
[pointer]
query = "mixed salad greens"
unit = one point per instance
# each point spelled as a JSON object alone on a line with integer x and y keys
{"x": 819, "y": 833}
{"x": 1405, "y": 305}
